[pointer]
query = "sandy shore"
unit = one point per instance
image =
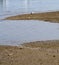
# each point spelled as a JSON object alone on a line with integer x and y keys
{"x": 34, "y": 53}
{"x": 47, "y": 16}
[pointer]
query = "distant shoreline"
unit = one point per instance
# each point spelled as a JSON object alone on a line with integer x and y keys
{"x": 47, "y": 16}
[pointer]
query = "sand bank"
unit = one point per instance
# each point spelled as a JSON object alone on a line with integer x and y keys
{"x": 47, "y": 16}
{"x": 35, "y": 53}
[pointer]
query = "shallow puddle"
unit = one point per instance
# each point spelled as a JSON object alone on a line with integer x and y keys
{"x": 16, "y": 32}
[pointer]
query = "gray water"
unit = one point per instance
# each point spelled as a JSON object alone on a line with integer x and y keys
{"x": 12, "y": 7}
{"x": 17, "y": 32}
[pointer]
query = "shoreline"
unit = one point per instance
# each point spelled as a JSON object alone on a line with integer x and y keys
{"x": 42, "y": 44}
{"x": 35, "y": 53}
{"x": 47, "y": 16}
{"x": 32, "y": 53}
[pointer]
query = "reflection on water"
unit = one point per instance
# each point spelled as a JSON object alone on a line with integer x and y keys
{"x": 1, "y": 6}
{"x": 16, "y": 32}
{"x": 27, "y": 6}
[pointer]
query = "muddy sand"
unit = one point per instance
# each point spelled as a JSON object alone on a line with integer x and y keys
{"x": 33, "y": 53}
{"x": 47, "y": 16}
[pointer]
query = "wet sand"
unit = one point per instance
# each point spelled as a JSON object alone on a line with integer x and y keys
{"x": 33, "y": 53}
{"x": 47, "y": 16}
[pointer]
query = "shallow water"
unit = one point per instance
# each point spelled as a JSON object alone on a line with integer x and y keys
{"x": 13, "y": 7}
{"x": 17, "y": 32}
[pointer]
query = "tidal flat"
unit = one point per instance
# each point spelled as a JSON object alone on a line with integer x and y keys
{"x": 46, "y": 16}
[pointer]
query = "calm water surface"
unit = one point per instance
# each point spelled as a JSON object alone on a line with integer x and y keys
{"x": 16, "y": 32}
{"x": 12, "y": 7}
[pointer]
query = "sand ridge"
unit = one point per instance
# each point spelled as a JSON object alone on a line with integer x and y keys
{"x": 46, "y": 16}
